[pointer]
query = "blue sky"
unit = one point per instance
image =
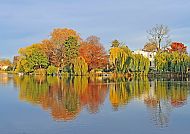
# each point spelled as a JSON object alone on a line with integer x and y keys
{"x": 23, "y": 22}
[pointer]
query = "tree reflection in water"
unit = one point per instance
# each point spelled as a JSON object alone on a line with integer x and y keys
{"x": 66, "y": 97}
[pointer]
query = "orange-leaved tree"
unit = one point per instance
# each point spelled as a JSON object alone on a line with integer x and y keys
{"x": 179, "y": 47}
{"x": 62, "y": 47}
{"x": 94, "y": 53}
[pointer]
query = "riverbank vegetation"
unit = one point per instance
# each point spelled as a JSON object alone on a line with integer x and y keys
{"x": 174, "y": 60}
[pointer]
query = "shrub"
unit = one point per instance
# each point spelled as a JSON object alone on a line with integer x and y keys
{"x": 51, "y": 70}
{"x": 40, "y": 71}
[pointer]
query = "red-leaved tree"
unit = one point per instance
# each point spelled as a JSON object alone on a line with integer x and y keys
{"x": 179, "y": 47}
{"x": 94, "y": 53}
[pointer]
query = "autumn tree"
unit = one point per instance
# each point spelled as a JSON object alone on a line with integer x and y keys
{"x": 59, "y": 35}
{"x": 140, "y": 64}
{"x": 150, "y": 47}
{"x": 50, "y": 50}
{"x": 123, "y": 60}
{"x": 159, "y": 35}
{"x": 64, "y": 41}
{"x": 32, "y": 57}
{"x": 172, "y": 62}
{"x": 179, "y": 47}
{"x": 5, "y": 62}
{"x": 120, "y": 58}
{"x": 94, "y": 53}
{"x": 94, "y": 40}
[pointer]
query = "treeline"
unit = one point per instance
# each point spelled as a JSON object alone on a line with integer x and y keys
{"x": 66, "y": 53}
{"x": 174, "y": 59}
{"x": 122, "y": 60}
{"x": 5, "y": 65}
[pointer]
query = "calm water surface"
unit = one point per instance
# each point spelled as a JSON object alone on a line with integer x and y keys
{"x": 80, "y": 105}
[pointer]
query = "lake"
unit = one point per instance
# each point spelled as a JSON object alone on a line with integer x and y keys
{"x": 82, "y": 105}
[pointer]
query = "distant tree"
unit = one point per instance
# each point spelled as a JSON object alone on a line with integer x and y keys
{"x": 64, "y": 41}
{"x": 94, "y": 40}
{"x": 5, "y": 62}
{"x": 50, "y": 50}
{"x": 179, "y": 47}
{"x": 32, "y": 57}
{"x": 24, "y": 66}
{"x": 120, "y": 57}
{"x": 140, "y": 64}
{"x": 94, "y": 54}
{"x": 115, "y": 43}
{"x": 71, "y": 50}
{"x": 80, "y": 66}
{"x": 60, "y": 35}
{"x": 38, "y": 59}
{"x": 159, "y": 35}
{"x": 173, "y": 62}
{"x": 150, "y": 47}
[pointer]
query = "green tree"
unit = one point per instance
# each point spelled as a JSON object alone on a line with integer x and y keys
{"x": 51, "y": 70}
{"x": 65, "y": 43}
{"x": 115, "y": 43}
{"x": 71, "y": 50}
{"x": 140, "y": 64}
{"x": 38, "y": 59}
{"x": 171, "y": 62}
{"x": 32, "y": 57}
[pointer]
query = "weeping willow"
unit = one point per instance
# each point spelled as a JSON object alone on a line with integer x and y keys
{"x": 140, "y": 64}
{"x": 172, "y": 62}
{"x": 120, "y": 58}
{"x": 123, "y": 60}
{"x": 80, "y": 66}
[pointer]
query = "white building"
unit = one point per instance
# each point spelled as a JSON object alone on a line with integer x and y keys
{"x": 3, "y": 67}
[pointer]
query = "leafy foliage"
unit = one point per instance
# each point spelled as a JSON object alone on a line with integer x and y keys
{"x": 5, "y": 62}
{"x": 51, "y": 70}
{"x": 150, "y": 47}
{"x": 122, "y": 60}
{"x": 172, "y": 62}
{"x": 80, "y": 66}
{"x": 115, "y": 43}
{"x": 32, "y": 57}
{"x": 71, "y": 50}
{"x": 179, "y": 47}
{"x": 94, "y": 53}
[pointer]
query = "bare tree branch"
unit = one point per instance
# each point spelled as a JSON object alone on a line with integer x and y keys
{"x": 159, "y": 35}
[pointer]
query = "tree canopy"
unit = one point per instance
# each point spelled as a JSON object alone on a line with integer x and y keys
{"x": 66, "y": 51}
